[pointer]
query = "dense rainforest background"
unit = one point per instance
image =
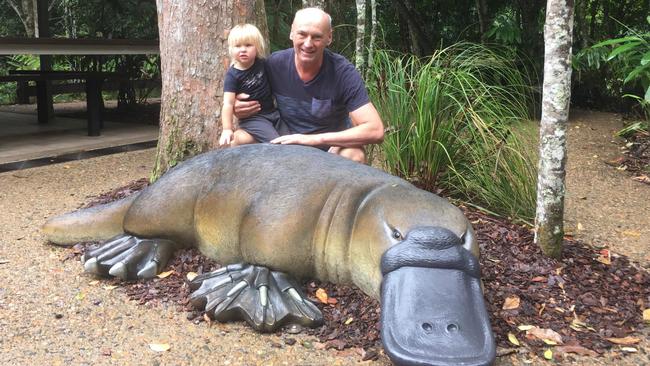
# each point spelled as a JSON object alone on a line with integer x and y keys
{"x": 454, "y": 81}
{"x": 415, "y": 27}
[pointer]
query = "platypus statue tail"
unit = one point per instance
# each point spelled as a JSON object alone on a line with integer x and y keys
{"x": 95, "y": 223}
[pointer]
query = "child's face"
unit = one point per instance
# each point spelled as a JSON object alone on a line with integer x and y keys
{"x": 245, "y": 53}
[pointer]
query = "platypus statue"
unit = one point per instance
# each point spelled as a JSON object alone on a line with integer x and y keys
{"x": 269, "y": 212}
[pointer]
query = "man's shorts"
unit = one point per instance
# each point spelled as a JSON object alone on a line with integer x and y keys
{"x": 264, "y": 127}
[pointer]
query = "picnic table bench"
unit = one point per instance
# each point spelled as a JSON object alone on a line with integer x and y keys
{"x": 93, "y": 84}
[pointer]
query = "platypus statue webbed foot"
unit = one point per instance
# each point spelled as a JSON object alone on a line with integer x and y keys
{"x": 128, "y": 257}
{"x": 267, "y": 300}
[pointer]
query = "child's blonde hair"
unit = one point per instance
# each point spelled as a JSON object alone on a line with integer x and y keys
{"x": 246, "y": 33}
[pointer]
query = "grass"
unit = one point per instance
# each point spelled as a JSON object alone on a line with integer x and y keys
{"x": 450, "y": 120}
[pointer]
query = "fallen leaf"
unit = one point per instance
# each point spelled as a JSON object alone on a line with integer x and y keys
{"x": 525, "y": 327}
{"x": 93, "y": 283}
{"x": 545, "y": 334}
{"x": 629, "y": 349}
{"x": 513, "y": 339}
{"x": 579, "y": 350}
{"x": 80, "y": 296}
{"x": 511, "y": 302}
{"x": 580, "y": 227}
{"x": 165, "y": 274}
{"x": 646, "y": 316}
{"x": 642, "y": 179}
{"x": 207, "y": 319}
{"x": 549, "y": 342}
{"x": 632, "y": 233}
{"x": 548, "y": 354}
{"x": 191, "y": 276}
{"x": 321, "y": 295}
{"x": 350, "y": 320}
{"x": 159, "y": 347}
{"x": 626, "y": 341}
{"x": 110, "y": 287}
{"x": 539, "y": 279}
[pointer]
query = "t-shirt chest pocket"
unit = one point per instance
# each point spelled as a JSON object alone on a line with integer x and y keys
{"x": 321, "y": 108}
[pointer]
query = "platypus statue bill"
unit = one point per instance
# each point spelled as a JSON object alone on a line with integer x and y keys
{"x": 281, "y": 210}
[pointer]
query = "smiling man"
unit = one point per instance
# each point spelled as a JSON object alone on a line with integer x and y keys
{"x": 320, "y": 95}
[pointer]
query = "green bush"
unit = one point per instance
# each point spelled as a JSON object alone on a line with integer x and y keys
{"x": 449, "y": 121}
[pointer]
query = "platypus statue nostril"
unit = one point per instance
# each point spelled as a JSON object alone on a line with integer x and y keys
{"x": 433, "y": 312}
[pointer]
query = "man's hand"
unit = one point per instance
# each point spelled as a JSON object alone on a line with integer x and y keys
{"x": 298, "y": 139}
{"x": 244, "y": 108}
{"x": 226, "y": 137}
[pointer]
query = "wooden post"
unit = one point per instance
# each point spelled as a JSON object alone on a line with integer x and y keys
{"x": 44, "y": 93}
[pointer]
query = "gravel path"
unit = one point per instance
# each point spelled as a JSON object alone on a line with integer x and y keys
{"x": 52, "y": 313}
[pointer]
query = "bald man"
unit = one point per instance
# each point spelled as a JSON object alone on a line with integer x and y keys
{"x": 321, "y": 97}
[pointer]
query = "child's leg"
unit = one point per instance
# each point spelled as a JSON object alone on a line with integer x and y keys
{"x": 260, "y": 128}
{"x": 241, "y": 137}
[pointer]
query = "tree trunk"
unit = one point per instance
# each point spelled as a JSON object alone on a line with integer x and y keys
{"x": 420, "y": 43}
{"x": 313, "y": 3}
{"x": 558, "y": 32}
{"x": 361, "y": 34}
{"x": 194, "y": 57}
{"x": 26, "y": 11}
{"x": 373, "y": 32}
{"x": 481, "y": 10}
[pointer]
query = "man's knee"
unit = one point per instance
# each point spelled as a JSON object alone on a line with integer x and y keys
{"x": 241, "y": 137}
{"x": 354, "y": 154}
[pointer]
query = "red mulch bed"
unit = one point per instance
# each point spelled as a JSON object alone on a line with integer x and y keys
{"x": 587, "y": 297}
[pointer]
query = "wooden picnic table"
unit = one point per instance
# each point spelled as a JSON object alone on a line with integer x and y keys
{"x": 93, "y": 81}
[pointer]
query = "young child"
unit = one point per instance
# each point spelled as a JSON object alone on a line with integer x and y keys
{"x": 247, "y": 75}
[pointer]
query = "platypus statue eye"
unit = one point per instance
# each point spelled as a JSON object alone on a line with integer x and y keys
{"x": 397, "y": 234}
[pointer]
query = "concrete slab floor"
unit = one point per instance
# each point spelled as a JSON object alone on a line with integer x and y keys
{"x": 23, "y": 139}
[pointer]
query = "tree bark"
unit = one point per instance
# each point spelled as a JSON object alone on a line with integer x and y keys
{"x": 482, "y": 11}
{"x": 373, "y": 32}
{"x": 313, "y": 3}
{"x": 556, "y": 94}
{"x": 361, "y": 34}
{"x": 194, "y": 57}
{"x": 420, "y": 43}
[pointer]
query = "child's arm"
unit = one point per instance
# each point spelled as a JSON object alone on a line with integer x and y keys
{"x": 226, "y": 118}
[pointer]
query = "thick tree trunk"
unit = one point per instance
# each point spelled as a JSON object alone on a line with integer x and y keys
{"x": 361, "y": 34}
{"x": 558, "y": 32}
{"x": 194, "y": 57}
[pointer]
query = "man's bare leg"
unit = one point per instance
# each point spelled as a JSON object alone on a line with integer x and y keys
{"x": 353, "y": 153}
{"x": 242, "y": 137}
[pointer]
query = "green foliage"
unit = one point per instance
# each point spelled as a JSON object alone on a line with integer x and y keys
{"x": 449, "y": 119}
{"x": 505, "y": 29}
{"x": 633, "y": 129}
{"x": 632, "y": 55}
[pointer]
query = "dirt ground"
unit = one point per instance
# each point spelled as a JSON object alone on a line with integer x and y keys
{"x": 53, "y": 313}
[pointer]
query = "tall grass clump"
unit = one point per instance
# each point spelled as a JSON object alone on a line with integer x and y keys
{"x": 450, "y": 121}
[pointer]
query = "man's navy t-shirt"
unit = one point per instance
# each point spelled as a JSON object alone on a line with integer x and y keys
{"x": 252, "y": 81}
{"x": 322, "y": 104}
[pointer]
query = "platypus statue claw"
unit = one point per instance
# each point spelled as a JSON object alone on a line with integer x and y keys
{"x": 267, "y": 300}
{"x": 128, "y": 257}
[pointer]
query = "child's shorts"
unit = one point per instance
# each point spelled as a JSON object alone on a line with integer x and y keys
{"x": 264, "y": 127}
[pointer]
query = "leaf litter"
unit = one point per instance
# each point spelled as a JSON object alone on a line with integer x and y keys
{"x": 581, "y": 304}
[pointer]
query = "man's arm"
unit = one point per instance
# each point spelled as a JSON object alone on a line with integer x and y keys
{"x": 245, "y": 108}
{"x": 367, "y": 128}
